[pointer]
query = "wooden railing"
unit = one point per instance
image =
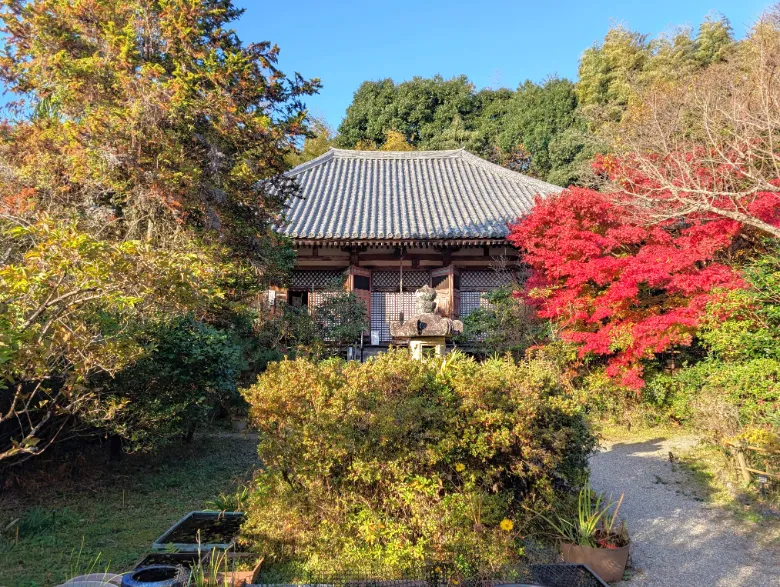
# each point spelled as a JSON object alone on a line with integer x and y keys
{"x": 741, "y": 449}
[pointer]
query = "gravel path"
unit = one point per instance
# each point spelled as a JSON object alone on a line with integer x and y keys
{"x": 678, "y": 538}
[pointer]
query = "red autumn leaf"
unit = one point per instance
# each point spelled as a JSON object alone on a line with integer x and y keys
{"x": 621, "y": 290}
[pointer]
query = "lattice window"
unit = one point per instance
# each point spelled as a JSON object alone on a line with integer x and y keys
{"x": 314, "y": 280}
{"x": 385, "y": 307}
{"x": 471, "y": 300}
{"x": 390, "y": 280}
{"x": 316, "y": 299}
{"x": 475, "y": 284}
{"x": 484, "y": 280}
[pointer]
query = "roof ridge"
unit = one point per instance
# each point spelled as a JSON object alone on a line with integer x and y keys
{"x": 508, "y": 173}
{"x": 357, "y": 154}
{"x": 326, "y": 156}
{"x": 461, "y": 153}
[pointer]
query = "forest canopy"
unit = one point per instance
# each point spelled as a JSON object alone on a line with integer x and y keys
{"x": 549, "y": 129}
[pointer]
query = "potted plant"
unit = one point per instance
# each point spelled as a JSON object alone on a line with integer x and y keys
{"x": 593, "y": 536}
{"x": 228, "y": 569}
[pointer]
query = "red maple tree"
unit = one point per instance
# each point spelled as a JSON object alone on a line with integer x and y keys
{"x": 620, "y": 289}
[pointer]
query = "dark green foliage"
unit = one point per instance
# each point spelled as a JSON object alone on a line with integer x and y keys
{"x": 336, "y": 323}
{"x": 518, "y": 129}
{"x": 341, "y": 318}
{"x": 421, "y": 109}
{"x": 506, "y": 326}
{"x": 190, "y": 369}
{"x": 244, "y": 329}
{"x": 288, "y": 331}
{"x": 535, "y": 115}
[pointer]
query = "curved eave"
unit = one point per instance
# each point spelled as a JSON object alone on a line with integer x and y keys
{"x": 379, "y": 243}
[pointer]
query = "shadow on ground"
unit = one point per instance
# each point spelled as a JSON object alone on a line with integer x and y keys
{"x": 679, "y": 537}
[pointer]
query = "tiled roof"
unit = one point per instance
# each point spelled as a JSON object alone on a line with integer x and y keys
{"x": 376, "y": 195}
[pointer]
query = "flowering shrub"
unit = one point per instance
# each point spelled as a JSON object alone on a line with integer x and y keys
{"x": 394, "y": 461}
{"x": 619, "y": 290}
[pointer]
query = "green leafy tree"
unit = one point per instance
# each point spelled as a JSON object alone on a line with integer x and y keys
{"x": 672, "y": 57}
{"x": 289, "y": 331}
{"x": 612, "y": 73}
{"x": 71, "y": 307}
{"x": 150, "y": 115}
{"x": 512, "y": 128}
{"x": 320, "y": 139}
{"x": 457, "y": 136}
{"x": 734, "y": 390}
{"x": 571, "y": 154}
{"x": 420, "y": 109}
{"x": 535, "y": 116}
{"x": 341, "y": 318}
{"x": 188, "y": 369}
{"x": 606, "y": 69}
{"x": 714, "y": 41}
{"x": 142, "y": 159}
{"x": 368, "y": 116}
{"x": 507, "y": 325}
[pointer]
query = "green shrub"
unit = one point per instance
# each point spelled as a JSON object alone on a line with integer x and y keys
{"x": 506, "y": 326}
{"x": 394, "y": 461}
{"x": 736, "y": 388}
{"x": 728, "y": 383}
{"x": 745, "y": 324}
{"x": 341, "y": 318}
{"x": 287, "y": 331}
{"x": 336, "y": 322}
{"x": 246, "y": 332}
{"x": 188, "y": 370}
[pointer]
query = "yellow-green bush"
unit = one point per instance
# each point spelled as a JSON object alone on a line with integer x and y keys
{"x": 396, "y": 461}
{"x": 735, "y": 389}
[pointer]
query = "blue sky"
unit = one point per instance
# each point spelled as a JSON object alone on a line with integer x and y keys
{"x": 495, "y": 43}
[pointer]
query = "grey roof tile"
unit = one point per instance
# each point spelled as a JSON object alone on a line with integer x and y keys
{"x": 355, "y": 195}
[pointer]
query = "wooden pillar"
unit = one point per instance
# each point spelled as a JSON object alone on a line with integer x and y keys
{"x": 742, "y": 462}
{"x": 359, "y": 282}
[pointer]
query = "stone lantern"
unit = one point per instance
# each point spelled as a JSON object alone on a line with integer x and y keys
{"x": 426, "y": 329}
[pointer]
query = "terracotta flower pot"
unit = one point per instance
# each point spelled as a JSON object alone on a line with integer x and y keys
{"x": 607, "y": 563}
